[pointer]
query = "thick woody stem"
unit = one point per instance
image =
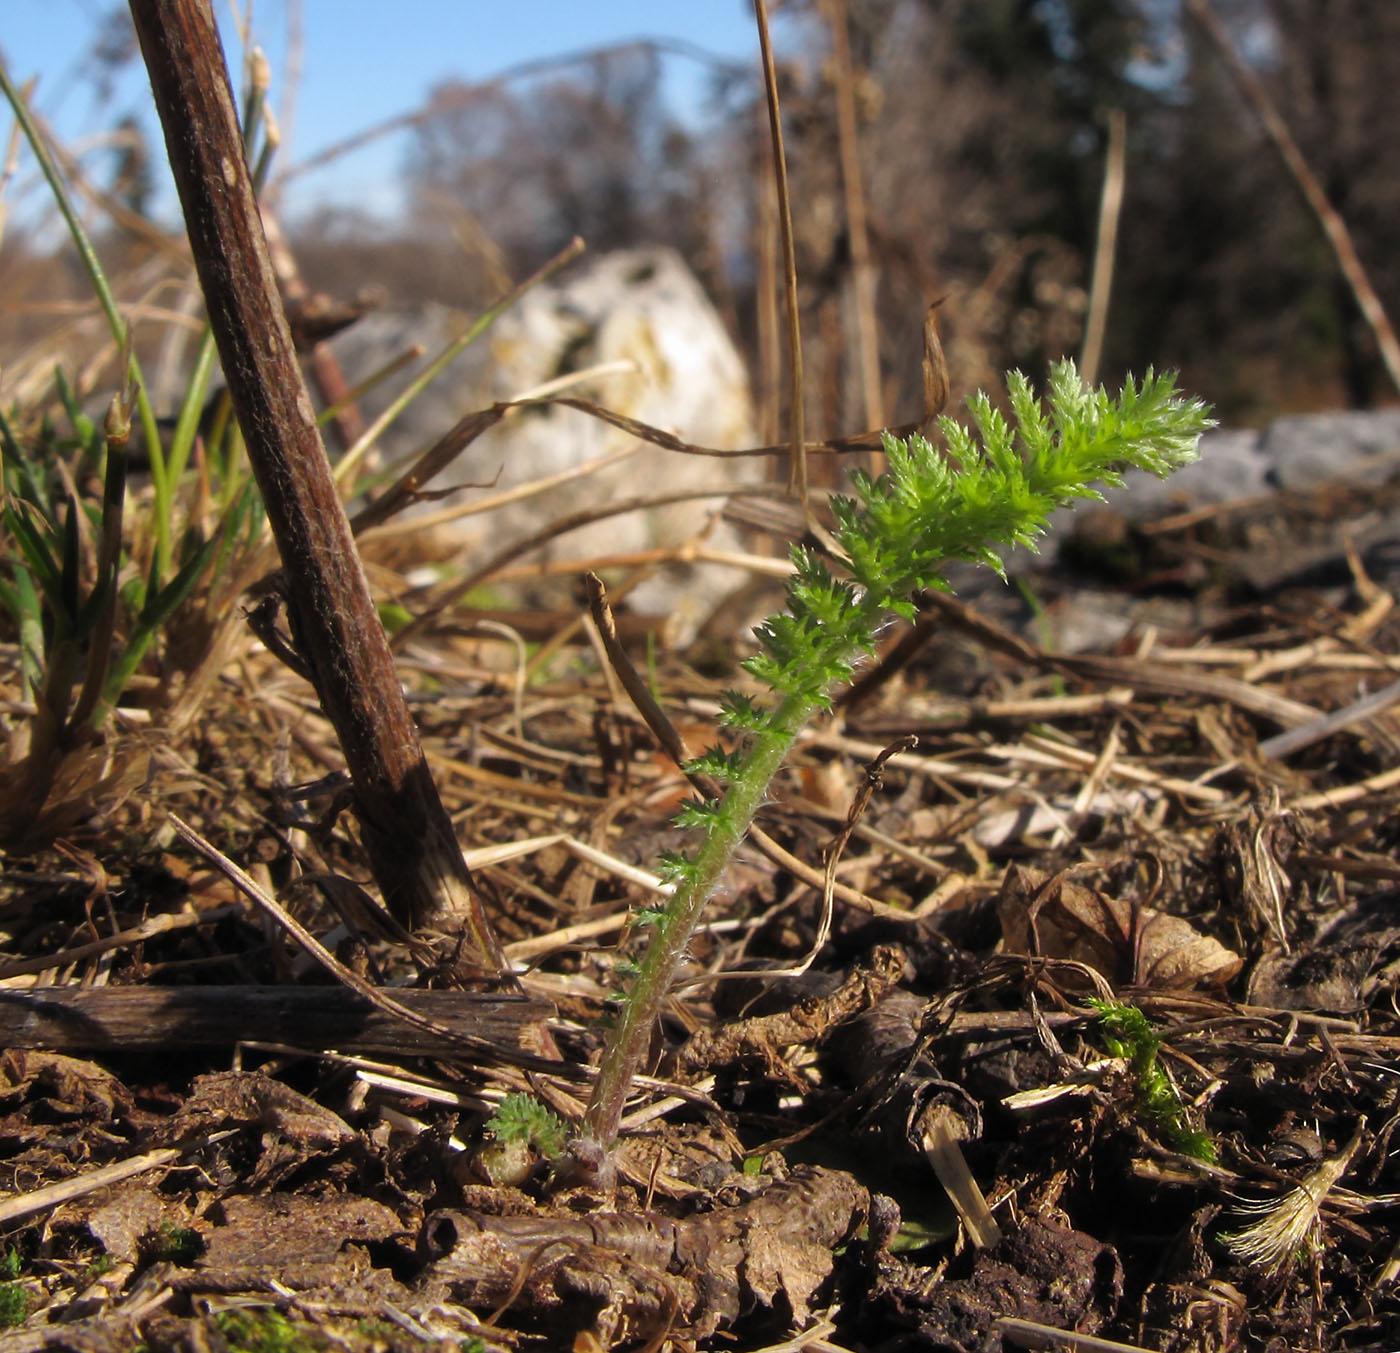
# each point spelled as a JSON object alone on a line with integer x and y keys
{"x": 407, "y": 833}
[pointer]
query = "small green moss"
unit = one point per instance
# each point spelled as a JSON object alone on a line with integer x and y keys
{"x": 10, "y": 1263}
{"x": 264, "y": 1330}
{"x": 14, "y": 1305}
{"x": 1127, "y": 1034}
{"x": 171, "y": 1244}
{"x": 104, "y": 1263}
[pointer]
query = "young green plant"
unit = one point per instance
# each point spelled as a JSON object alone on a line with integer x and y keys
{"x": 990, "y": 486}
{"x": 89, "y": 590}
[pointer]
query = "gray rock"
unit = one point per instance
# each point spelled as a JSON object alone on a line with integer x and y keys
{"x": 1303, "y": 451}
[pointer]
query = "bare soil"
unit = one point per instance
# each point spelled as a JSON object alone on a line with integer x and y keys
{"x": 928, "y": 1137}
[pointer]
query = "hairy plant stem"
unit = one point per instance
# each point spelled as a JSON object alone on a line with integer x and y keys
{"x": 631, "y": 1036}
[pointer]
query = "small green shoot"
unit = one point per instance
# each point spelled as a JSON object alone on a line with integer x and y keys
{"x": 522, "y": 1118}
{"x": 523, "y": 1132}
{"x": 991, "y": 485}
{"x": 1127, "y": 1034}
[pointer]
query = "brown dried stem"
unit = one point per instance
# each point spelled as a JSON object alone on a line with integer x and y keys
{"x": 408, "y": 835}
{"x": 863, "y": 275}
{"x": 797, "y": 481}
{"x": 1338, "y": 236}
{"x": 1110, "y": 210}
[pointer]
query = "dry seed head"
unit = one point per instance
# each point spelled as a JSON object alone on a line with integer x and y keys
{"x": 1283, "y": 1225}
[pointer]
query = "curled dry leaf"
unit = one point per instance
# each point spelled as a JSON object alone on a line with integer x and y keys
{"x": 1055, "y": 916}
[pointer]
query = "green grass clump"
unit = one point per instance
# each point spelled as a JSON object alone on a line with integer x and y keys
{"x": 92, "y": 573}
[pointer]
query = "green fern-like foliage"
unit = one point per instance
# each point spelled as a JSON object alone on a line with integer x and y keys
{"x": 521, "y": 1118}
{"x": 992, "y": 485}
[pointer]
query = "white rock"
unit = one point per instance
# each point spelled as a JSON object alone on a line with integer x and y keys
{"x": 641, "y": 307}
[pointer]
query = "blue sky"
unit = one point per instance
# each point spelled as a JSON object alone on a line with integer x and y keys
{"x": 364, "y": 61}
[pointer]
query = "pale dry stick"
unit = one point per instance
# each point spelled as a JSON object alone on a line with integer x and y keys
{"x": 910, "y": 761}
{"x": 1032, "y": 1334}
{"x": 953, "y": 712}
{"x": 1312, "y": 654}
{"x": 565, "y": 937}
{"x": 434, "y": 1094}
{"x": 1207, "y": 655}
{"x": 863, "y": 275}
{"x": 811, "y": 1340}
{"x": 766, "y": 296}
{"x": 1091, "y": 788}
{"x": 687, "y": 553}
{"x": 1105, "y": 246}
{"x": 137, "y": 934}
{"x": 797, "y": 480}
{"x": 890, "y": 844}
{"x": 1338, "y": 236}
{"x": 814, "y": 878}
{"x": 944, "y": 1155}
{"x": 514, "y": 850}
{"x": 19, "y": 1206}
{"x": 1038, "y": 751}
{"x": 1322, "y": 654}
{"x": 1295, "y": 739}
{"x": 1340, "y": 797}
